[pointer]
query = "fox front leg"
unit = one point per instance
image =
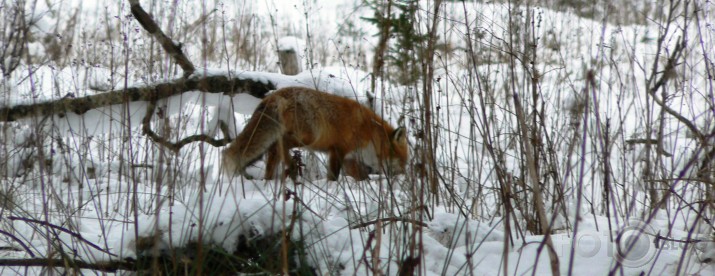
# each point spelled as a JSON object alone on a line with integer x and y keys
{"x": 356, "y": 169}
{"x": 335, "y": 162}
{"x": 272, "y": 161}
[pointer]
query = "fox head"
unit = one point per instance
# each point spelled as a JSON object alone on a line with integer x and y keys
{"x": 386, "y": 155}
{"x": 398, "y": 152}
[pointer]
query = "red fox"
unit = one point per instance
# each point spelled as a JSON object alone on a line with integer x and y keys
{"x": 353, "y": 135}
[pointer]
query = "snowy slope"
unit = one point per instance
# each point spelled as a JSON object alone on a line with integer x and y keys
{"x": 110, "y": 185}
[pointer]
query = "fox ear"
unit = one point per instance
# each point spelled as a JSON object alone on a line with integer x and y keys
{"x": 398, "y": 134}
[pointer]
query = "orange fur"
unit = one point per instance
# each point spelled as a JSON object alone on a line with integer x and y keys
{"x": 351, "y": 134}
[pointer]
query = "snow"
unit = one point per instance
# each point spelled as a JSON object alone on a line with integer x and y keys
{"x": 184, "y": 195}
{"x": 291, "y": 43}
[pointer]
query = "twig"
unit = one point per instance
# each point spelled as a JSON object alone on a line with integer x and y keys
{"x": 146, "y": 128}
{"x": 645, "y": 141}
{"x": 18, "y": 241}
{"x": 289, "y": 192}
{"x": 659, "y": 238}
{"x": 413, "y": 221}
{"x": 76, "y": 235}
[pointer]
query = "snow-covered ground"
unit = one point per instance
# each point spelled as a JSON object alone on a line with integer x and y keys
{"x": 105, "y": 185}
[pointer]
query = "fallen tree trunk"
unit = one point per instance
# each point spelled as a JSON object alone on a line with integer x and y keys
{"x": 211, "y": 84}
{"x": 112, "y": 266}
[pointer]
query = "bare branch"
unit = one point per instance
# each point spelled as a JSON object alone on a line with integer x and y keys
{"x": 50, "y": 225}
{"x": 169, "y": 46}
{"x": 667, "y": 72}
{"x": 392, "y": 219}
{"x": 14, "y": 34}
{"x": 16, "y": 239}
{"x": 645, "y": 141}
{"x": 146, "y": 128}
